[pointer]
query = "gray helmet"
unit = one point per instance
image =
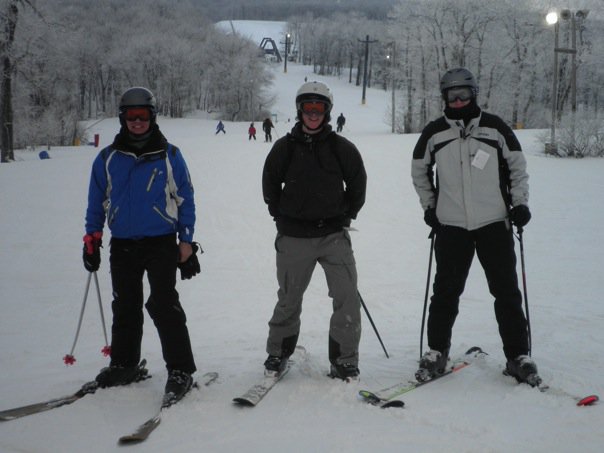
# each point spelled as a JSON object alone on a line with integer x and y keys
{"x": 138, "y": 97}
{"x": 458, "y": 77}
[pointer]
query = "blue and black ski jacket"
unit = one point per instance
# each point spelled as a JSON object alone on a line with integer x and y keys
{"x": 141, "y": 193}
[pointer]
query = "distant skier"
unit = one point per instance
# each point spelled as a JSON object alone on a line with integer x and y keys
{"x": 220, "y": 128}
{"x": 340, "y": 122}
{"x": 267, "y": 125}
{"x": 314, "y": 183}
{"x": 479, "y": 186}
{"x": 252, "y": 132}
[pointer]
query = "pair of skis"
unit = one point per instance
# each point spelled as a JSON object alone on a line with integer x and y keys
{"x": 390, "y": 396}
{"x": 138, "y": 435}
{"x": 258, "y": 391}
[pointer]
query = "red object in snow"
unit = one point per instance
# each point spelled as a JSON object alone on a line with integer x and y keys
{"x": 69, "y": 359}
{"x": 588, "y": 400}
{"x": 106, "y": 350}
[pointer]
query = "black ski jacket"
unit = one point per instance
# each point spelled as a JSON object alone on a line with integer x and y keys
{"x": 313, "y": 184}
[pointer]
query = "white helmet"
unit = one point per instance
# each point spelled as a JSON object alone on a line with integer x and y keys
{"x": 314, "y": 91}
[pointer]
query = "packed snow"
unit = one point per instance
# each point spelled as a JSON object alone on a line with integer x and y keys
{"x": 228, "y": 306}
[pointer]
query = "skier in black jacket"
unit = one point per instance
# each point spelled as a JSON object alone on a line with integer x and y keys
{"x": 314, "y": 183}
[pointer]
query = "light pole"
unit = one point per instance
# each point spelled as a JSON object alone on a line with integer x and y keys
{"x": 553, "y": 19}
{"x": 391, "y": 60}
{"x": 366, "y": 42}
{"x": 287, "y": 42}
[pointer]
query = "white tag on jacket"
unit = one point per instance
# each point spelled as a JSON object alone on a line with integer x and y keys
{"x": 480, "y": 159}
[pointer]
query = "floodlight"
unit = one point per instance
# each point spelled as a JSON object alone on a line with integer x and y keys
{"x": 552, "y": 18}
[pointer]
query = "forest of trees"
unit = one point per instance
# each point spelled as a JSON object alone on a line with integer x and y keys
{"x": 64, "y": 61}
{"x": 507, "y": 44}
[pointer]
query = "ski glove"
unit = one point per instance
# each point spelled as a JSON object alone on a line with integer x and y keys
{"x": 190, "y": 268}
{"x": 92, "y": 251}
{"x": 520, "y": 215}
{"x": 430, "y": 218}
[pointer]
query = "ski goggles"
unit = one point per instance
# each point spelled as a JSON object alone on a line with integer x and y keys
{"x": 137, "y": 113}
{"x": 461, "y": 93}
{"x": 311, "y": 107}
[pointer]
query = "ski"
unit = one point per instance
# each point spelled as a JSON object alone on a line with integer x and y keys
{"x": 87, "y": 388}
{"x": 588, "y": 400}
{"x": 143, "y": 431}
{"x": 259, "y": 390}
{"x": 389, "y": 396}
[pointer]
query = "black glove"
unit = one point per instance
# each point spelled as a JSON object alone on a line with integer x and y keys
{"x": 92, "y": 251}
{"x": 430, "y": 218}
{"x": 520, "y": 215}
{"x": 190, "y": 268}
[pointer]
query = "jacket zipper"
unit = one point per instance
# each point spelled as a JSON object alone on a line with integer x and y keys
{"x": 112, "y": 217}
{"x": 151, "y": 179}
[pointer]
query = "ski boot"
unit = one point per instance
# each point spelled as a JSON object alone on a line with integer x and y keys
{"x": 431, "y": 364}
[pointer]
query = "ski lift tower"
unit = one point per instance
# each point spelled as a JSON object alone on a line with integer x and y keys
{"x": 269, "y": 47}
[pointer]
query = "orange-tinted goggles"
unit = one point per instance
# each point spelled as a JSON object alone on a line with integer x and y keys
{"x": 138, "y": 113}
{"x": 314, "y": 107}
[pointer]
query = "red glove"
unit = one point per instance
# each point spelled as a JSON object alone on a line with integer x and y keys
{"x": 92, "y": 251}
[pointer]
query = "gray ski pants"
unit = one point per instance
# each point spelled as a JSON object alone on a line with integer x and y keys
{"x": 296, "y": 261}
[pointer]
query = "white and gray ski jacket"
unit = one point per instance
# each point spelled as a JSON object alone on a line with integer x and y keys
{"x": 480, "y": 171}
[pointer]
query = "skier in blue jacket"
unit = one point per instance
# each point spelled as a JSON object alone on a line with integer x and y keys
{"x": 141, "y": 186}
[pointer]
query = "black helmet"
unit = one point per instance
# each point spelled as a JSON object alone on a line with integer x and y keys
{"x": 458, "y": 77}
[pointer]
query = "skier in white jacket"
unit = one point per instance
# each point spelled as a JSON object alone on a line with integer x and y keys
{"x": 470, "y": 174}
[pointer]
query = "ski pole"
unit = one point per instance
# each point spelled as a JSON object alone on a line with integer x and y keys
{"x": 69, "y": 359}
{"x": 421, "y": 337}
{"x": 372, "y": 324}
{"x": 526, "y": 307}
{"x": 106, "y": 349}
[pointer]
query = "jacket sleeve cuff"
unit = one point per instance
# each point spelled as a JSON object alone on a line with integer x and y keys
{"x": 185, "y": 234}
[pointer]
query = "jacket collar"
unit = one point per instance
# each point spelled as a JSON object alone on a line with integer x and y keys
{"x": 126, "y": 143}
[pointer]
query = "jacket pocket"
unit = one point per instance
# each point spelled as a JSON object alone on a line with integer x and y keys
{"x": 164, "y": 216}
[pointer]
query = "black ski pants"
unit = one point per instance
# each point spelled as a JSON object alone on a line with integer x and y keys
{"x": 128, "y": 261}
{"x": 454, "y": 251}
